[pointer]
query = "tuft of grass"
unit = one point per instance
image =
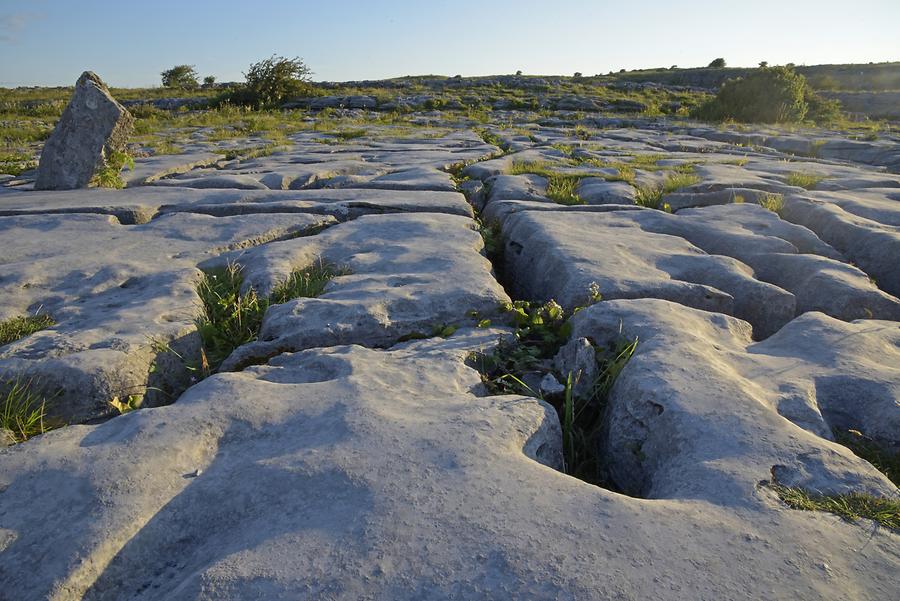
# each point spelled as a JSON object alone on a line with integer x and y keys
{"x": 350, "y": 134}
{"x": 561, "y": 189}
{"x": 229, "y": 319}
{"x": 771, "y": 201}
{"x": 543, "y": 168}
{"x": 582, "y": 417}
{"x": 250, "y": 152}
{"x": 652, "y": 196}
{"x": 851, "y": 507}
{"x": 22, "y": 411}
{"x": 647, "y": 162}
{"x": 493, "y": 139}
{"x": 566, "y": 149}
{"x": 678, "y": 180}
{"x": 803, "y": 180}
{"x": 19, "y": 327}
{"x": 305, "y": 283}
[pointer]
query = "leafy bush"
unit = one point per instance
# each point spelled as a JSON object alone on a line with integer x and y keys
{"x": 718, "y": 63}
{"x": 271, "y": 82}
{"x": 180, "y": 76}
{"x": 767, "y": 95}
{"x": 209, "y": 81}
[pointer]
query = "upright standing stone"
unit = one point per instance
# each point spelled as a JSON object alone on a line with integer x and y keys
{"x": 92, "y": 126}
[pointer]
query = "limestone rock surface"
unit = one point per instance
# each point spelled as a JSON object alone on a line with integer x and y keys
{"x": 91, "y": 127}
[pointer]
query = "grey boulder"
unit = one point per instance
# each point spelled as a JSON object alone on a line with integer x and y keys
{"x": 91, "y": 127}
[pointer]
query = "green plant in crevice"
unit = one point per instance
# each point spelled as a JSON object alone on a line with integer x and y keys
{"x": 851, "y": 507}
{"x": 305, "y": 283}
{"x": 540, "y": 331}
{"x": 652, "y": 196}
{"x": 23, "y": 411}
{"x": 583, "y": 416}
{"x": 771, "y": 201}
{"x": 493, "y": 240}
{"x": 562, "y": 189}
{"x": 21, "y": 326}
{"x": 803, "y": 180}
{"x": 493, "y": 139}
{"x": 883, "y": 458}
{"x": 109, "y": 173}
{"x": 229, "y": 319}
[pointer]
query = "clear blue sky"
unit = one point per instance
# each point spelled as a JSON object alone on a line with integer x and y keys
{"x": 50, "y": 42}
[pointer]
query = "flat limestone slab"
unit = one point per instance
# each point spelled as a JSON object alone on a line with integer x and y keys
{"x": 870, "y": 244}
{"x": 141, "y": 204}
{"x": 700, "y": 411}
{"x": 351, "y": 473}
{"x": 636, "y": 254}
{"x": 558, "y": 255}
{"x": 408, "y": 274}
{"x": 150, "y": 169}
{"x": 120, "y": 295}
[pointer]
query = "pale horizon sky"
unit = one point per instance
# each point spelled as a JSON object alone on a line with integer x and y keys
{"x": 50, "y": 42}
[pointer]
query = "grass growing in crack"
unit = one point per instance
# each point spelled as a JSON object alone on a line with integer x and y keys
{"x": 851, "y": 507}
{"x": 229, "y": 319}
{"x": 582, "y": 416}
{"x": 19, "y": 327}
{"x": 652, "y": 196}
{"x": 305, "y": 283}
{"x": 22, "y": 411}
{"x": 493, "y": 139}
{"x": 803, "y": 180}
{"x": 493, "y": 240}
{"x": 885, "y": 460}
{"x": 561, "y": 189}
{"x": 772, "y": 201}
{"x": 252, "y": 152}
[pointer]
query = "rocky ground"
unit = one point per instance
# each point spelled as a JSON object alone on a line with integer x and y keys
{"x": 353, "y": 450}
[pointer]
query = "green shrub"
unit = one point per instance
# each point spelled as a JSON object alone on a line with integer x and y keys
{"x": 180, "y": 76}
{"x": 271, "y": 82}
{"x": 718, "y": 63}
{"x": 767, "y": 95}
